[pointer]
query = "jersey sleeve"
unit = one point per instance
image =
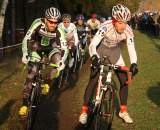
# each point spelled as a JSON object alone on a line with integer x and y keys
{"x": 75, "y": 35}
{"x": 63, "y": 44}
{"x": 131, "y": 45}
{"x": 62, "y": 37}
{"x": 29, "y": 34}
{"x": 96, "y": 41}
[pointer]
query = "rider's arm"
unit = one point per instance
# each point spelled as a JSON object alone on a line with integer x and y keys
{"x": 29, "y": 35}
{"x": 75, "y": 35}
{"x": 131, "y": 46}
{"x": 65, "y": 55}
{"x": 63, "y": 44}
{"x": 96, "y": 41}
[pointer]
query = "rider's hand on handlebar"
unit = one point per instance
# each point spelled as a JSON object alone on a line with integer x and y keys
{"x": 61, "y": 65}
{"x": 25, "y": 59}
{"x": 95, "y": 61}
{"x": 134, "y": 69}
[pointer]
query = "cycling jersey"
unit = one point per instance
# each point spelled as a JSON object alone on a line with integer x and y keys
{"x": 93, "y": 25}
{"x": 71, "y": 31}
{"x": 38, "y": 32}
{"x": 82, "y": 30}
{"x": 108, "y": 36}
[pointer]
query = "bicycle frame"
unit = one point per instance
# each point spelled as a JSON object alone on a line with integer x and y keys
{"x": 101, "y": 88}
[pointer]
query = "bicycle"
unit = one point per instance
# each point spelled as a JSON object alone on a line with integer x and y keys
{"x": 102, "y": 105}
{"x": 64, "y": 75}
{"x": 36, "y": 92}
{"x": 83, "y": 41}
{"x": 34, "y": 98}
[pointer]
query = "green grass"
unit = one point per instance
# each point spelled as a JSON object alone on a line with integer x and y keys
{"x": 144, "y": 93}
{"x": 11, "y": 80}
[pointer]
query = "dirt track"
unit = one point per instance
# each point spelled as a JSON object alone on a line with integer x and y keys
{"x": 60, "y": 109}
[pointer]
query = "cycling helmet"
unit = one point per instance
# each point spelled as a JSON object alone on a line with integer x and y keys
{"x": 52, "y": 13}
{"x": 66, "y": 17}
{"x": 102, "y": 19}
{"x": 80, "y": 17}
{"x": 121, "y": 13}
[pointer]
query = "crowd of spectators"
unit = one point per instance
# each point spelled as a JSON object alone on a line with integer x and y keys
{"x": 148, "y": 22}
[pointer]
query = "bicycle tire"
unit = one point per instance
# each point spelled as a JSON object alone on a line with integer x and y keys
{"x": 33, "y": 107}
{"x": 105, "y": 111}
{"x": 92, "y": 109}
{"x": 66, "y": 75}
{"x": 60, "y": 79}
{"x": 81, "y": 62}
{"x": 75, "y": 64}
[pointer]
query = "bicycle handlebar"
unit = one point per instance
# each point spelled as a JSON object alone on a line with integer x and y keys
{"x": 40, "y": 62}
{"x": 120, "y": 68}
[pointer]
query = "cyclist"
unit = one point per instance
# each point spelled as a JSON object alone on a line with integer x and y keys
{"x": 93, "y": 23}
{"x": 82, "y": 30}
{"x": 70, "y": 32}
{"x": 105, "y": 43}
{"x": 47, "y": 41}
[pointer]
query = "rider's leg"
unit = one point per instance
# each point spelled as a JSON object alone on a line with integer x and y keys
{"x": 88, "y": 94}
{"x": 32, "y": 71}
{"x": 123, "y": 94}
{"x": 54, "y": 58}
{"x": 91, "y": 85}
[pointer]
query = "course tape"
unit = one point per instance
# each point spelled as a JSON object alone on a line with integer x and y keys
{"x": 10, "y": 46}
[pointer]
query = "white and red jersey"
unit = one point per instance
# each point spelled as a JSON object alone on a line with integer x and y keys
{"x": 108, "y": 36}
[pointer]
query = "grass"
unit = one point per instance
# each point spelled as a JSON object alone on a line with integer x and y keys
{"x": 11, "y": 79}
{"x": 144, "y": 93}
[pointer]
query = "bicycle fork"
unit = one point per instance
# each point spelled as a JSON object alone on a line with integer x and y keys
{"x": 98, "y": 94}
{"x": 101, "y": 89}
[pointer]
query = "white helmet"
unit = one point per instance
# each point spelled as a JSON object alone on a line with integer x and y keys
{"x": 52, "y": 13}
{"x": 121, "y": 13}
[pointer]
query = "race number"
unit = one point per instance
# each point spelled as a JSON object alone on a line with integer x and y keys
{"x": 102, "y": 31}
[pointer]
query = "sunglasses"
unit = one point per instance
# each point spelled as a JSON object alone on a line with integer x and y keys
{"x": 52, "y": 22}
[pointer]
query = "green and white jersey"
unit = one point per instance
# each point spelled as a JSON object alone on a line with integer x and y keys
{"x": 38, "y": 32}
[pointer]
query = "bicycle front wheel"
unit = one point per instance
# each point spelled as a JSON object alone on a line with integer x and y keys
{"x": 81, "y": 62}
{"x": 59, "y": 80}
{"x": 105, "y": 111}
{"x": 33, "y": 107}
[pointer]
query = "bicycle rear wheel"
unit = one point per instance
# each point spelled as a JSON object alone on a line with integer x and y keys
{"x": 105, "y": 111}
